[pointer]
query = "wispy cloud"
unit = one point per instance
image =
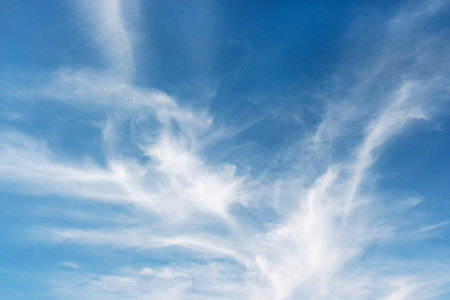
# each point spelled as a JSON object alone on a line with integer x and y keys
{"x": 70, "y": 264}
{"x": 307, "y": 231}
{"x": 109, "y": 24}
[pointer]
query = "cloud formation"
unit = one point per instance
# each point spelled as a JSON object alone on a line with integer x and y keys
{"x": 307, "y": 223}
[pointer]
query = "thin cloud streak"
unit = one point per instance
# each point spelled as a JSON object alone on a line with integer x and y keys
{"x": 70, "y": 265}
{"x": 111, "y": 31}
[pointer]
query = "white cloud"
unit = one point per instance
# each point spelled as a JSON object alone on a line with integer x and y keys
{"x": 70, "y": 264}
{"x": 403, "y": 291}
{"x": 325, "y": 217}
{"x": 109, "y": 25}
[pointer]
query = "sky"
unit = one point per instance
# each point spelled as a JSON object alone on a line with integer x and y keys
{"x": 206, "y": 149}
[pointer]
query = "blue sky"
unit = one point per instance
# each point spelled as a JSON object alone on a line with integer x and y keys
{"x": 224, "y": 149}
